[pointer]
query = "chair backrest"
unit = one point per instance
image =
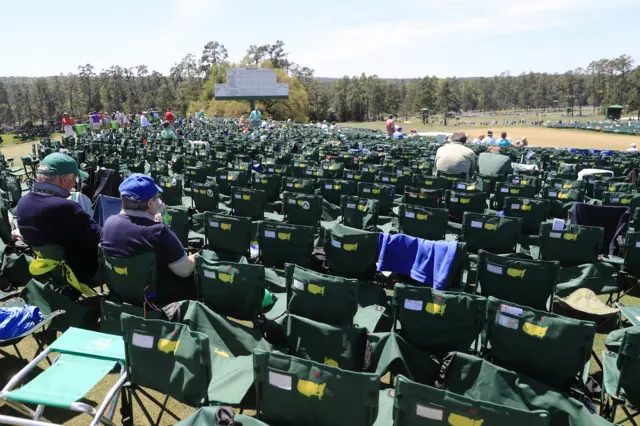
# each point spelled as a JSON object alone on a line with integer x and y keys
{"x": 429, "y": 182}
{"x": 228, "y": 234}
{"x": 397, "y": 181}
{"x": 622, "y": 199}
{"x": 522, "y": 281}
{"x": 351, "y": 253}
{"x": 454, "y": 319}
{"x": 496, "y": 234}
{"x": 171, "y": 190}
{"x": 572, "y": 245}
{"x": 532, "y": 211}
{"x": 451, "y": 178}
{"x": 323, "y": 298}
{"x": 282, "y": 243}
{"x": 561, "y": 200}
{"x": 177, "y": 218}
{"x": 505, "y": 189}
{"x": 129, "y": 278}
{"x": 552, "y": 348}
{"x": 269, "y": 183}
{"x": 359, "y": 212}
{"x": 423, "y": 222}
{"x": 248, "y": 202}
{"x": 525, "y": 180}
{"x": 333, "y": 189}
{"x": 558, "y": 183}
{"x": 303, "y": 186}
{"x": 302, "y": 209}
{"x": 600, "y": 187}
{"x": 423, "y": 197}
{"x": 418, "y": 404}
{"x": 295, "y": 391}
{"x": 205, "y": 196}
{"x": 230, "y": 178}
{"x": 460, "y": 202}
{"x": 632, "y": 252}
{"x": 195, "y": 174}
{"x": 182, "y": 355}
{"x": 231, "y": 289}
{"x": 628, "y": 364}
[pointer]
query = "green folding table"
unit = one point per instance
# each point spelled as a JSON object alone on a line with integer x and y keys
{"x": 86, "y": 357}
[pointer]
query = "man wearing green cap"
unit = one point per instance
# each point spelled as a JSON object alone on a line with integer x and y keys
{"x": 45, "y": 216}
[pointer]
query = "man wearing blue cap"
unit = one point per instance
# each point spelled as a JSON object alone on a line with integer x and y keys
{"x": 135, "y": 231}
{"x": 46, "y": 216}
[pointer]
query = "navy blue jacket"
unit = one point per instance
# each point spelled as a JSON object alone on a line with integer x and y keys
{"x": 49, "y": 218}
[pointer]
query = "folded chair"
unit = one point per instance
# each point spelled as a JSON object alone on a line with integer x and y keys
{"x": 269, "y": 183}
{"x": 86, "y": 357}
{"x": 302, "y": 209}
{"x": 292, "y": 392}
{"x": 171, "y": 190}
{"x": 504, "y": 190}
{"x": 205, "y": 196}
{"x": 423, "y": 197}
{"x": 228, "y": 235}
{"x": 303, "y": 186}
{"x": 351, "y": 253}
{"x": 359, "y": 212}
{"x": 281, "y": 243}
{"x": 384, "y": 194}
{"x": 423, "y": 222}
{"x": 333, "y": 189}
{"x": 247, "y": 202}
{"x": 532, "y": 211}
{"x": 496, "y": 234}
{"x": 460, "y": 202}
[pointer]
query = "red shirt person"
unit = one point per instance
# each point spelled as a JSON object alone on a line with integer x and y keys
{"x": 168, "y": 116}
{"x": 391, "y": 126}
{"x": 67, "y": 125}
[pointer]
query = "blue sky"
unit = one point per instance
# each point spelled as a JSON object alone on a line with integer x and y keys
{"x": 401, "y": 38}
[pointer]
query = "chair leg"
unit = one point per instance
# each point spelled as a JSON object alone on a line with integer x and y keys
{"x": 162, "y": 408}
{"x": 142, "y": 407}
{"x": 155, "y": 401}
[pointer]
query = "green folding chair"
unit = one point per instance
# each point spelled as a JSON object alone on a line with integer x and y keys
{"x": 621, "y": 380}
{"x": 521, "y": 281}
{"x": 302, "y": 209}
{"x": 525, "y": 180}
{"x": 183, "y": 355}
{"x": 350, "y": 252}
{"x": 454, "y": 320}
{"x": 572, "y": 245}
{"x": 230, "y": 178}
{"x": 623, "y": 199}
{"x": 333, "y": 189}
{"x": 382, "y": 193}
{"x": 504, "y": 190}
{"x": 247, "y": 202}
{"x": 397, "y": 181}
{"x": 423, "y": 197}
{"x": 486, "y": 183}
{"x": 171, "y": 190}
{"x": 429, "y": 182}
{"x": 232, "y": 289}
{"x": 86, "y": 357}
{"x": 269, "y": 183}
{"x": 177, "y": 218}
{"x": 359, "y": 212}
{"x": 601, "y": 187}
{"x": 532, "y": 211}
{"x": 559, "y": 183}
{"x": 496, "y": 234}
{"x": 228, "y": 234}
{"x": 423, "y": 222}
{"x": 195, "y": 174}
{"x": 205, "y": 196}
{"x": 357, "y": 176}
{"x": 552, "y": 348}
{"x": 561, "y": 200}
{"x": 415, "y": 404}
{"x": 293, "y": 391}
{"x": 303, "y": 186}
{"x": 451, "y": 178}
{"x": 131, "y": 280}
{"x": 212, "y": 415}
{"x": 460, "y": 202}
{"x": 281, "y": 243}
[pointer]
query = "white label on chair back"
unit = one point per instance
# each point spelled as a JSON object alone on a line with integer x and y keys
{"x": 553, "y": 194}
{"x": 270, "y": 234}
{"x": 558, "y": 185}
{"x": 614, "y": 200}
{"x": 336, "y": 243}
{"x": 504, "y": 189}
{"x": 281, "y": 381}
{"x": 637, "y": 244}
{"x": 410, "y": 215}
{"x": 555, "y": 235}
{"x": 328, "y": 186}
{"x": 351, "y": 206}
{"x": 298, "y": 285}
{"x": 429, "y": 412}
{"x": 494, "y": 269}
{"x": 454, "y": 200}
{"x": 558, "y": 225}
{"x": 462, "y": 186}
{"x": 214, "y": 224}
{"x": 511, "y": 310}
{"x": 476, "y": 224}
{"x": 413, "y": 305}
{"x": 209, "y": 274}
{"x": 508, "y": 322}
{"x": 238, "y": 196}
{"x": 515, "y": 206}
{"x": 142, "y": 341}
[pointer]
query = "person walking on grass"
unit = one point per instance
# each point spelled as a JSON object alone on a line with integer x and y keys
{"x": 390, "y": 126}
{"x": 67, "y": 125}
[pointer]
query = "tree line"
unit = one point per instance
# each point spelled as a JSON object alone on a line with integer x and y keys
{"x": 189, "y": 86}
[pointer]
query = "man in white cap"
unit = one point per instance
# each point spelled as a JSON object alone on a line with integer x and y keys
{"x": 633, "y": 148}
{"x": 489, "y": 140}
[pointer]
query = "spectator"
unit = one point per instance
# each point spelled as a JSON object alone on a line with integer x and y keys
{"x": 398, "y": 133}
{"x": 454, "y": 157}
{"x": 478, "y": 140}
{"x": 241, "y": 121}
{"x": 168, "y": 116}
{"x": 106, "y": 121}
{"x": 492, "y": 163}
{"x": 94, "y": 117}
{"x": 489, "y": 140}
{"x": 324, "y": 125}
{"x": 144, "y": 121}
{"x": 633, "y": 148}
{"x": 524, "y": 142}
{"x": 167, "y": 133}
{"x": 46, "y": 216}
{"x": 138, "y": 229}
{"x": 255, "y": 117}
{"x": 504, "y": 142}
{"x": 67, "y": 125}
{"x": 390, "y": 126}
{"x": 413, "y": 133}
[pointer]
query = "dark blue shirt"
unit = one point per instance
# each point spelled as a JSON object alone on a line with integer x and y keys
{"x": 45, "y": 216}
{"x": 126, "y": 235}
